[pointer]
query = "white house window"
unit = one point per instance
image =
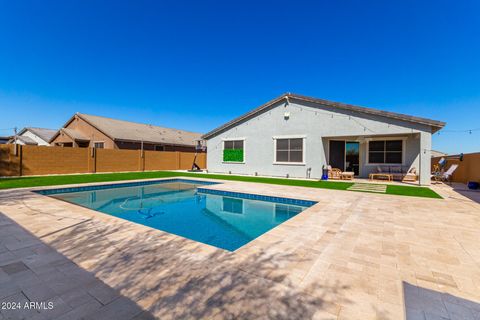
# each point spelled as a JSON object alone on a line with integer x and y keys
{"x": 233, "y": 151}
{"x": 98, "y": 145}
{"x": 232, "y": 205}
{"x": 284, "y": 212}
{"x": 385, "y": 151}
{"x": 289, "y": 150}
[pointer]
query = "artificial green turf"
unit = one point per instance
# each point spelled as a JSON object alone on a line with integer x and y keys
{"x": 412, "y": 191}
{"x": 24, "y": 182}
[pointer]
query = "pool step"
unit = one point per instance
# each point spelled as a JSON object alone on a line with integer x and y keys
{"x": 368, "y": 187}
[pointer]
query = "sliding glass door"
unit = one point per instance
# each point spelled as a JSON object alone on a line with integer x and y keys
{"x": 344, "y": 155}
{"x": 352, "y": 157}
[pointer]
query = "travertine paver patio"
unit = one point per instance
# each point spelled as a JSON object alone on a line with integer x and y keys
{"x": 352, "y": 256}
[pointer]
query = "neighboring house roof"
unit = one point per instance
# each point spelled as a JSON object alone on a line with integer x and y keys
{"x": 4, "y": 139}
{"x": 44, "y": 133}
{"x": 74, "y": 134}
{"x": 120, "y": 130}
{"x": 26, "y": 140}
{"x": 436, "y": 125}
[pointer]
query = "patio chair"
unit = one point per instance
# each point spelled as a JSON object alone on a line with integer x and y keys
{"x": 335, "y": 173}
{"x": 411, "y": 175}
{"x": 445, "y": 176}
{"x": 438, "y": 167}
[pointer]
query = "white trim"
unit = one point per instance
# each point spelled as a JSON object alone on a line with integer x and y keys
{"x": 290, "y": 163}
{"x": 232, "y": 139}
{"x": 275, "y": 138}
{"x": 385, "y": 138}
{"x": 244, "y": 150}
{"x": 368, "y": 163}
{"x": 292, "y": 136}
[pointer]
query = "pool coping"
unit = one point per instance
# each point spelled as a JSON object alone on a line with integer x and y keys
{"x": 254, "y": 244}
{"x": 116, "y": 185}
{"x": 203, "y": 189}
{"x": 207, "y": 187}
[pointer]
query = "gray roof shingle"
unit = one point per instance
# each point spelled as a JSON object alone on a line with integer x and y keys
{"x": 132, "y": 131}
{"x": 436, "y": 125}
{"x": 74, "y": 134}
{"x": 45, "y": 134}
{"x": 26, "y": 140}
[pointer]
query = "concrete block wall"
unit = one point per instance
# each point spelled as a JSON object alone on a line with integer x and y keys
{"x": 468, "y": 169}
{"x": 42, "y": 160}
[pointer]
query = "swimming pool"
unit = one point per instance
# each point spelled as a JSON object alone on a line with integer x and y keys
{"x": 226, "y": 220}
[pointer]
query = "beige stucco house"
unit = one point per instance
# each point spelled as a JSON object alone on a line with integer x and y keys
{"x": 83, "y": 130}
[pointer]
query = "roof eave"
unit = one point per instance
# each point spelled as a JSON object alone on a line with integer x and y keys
{"x": 73, "y": 138}
{"x": 90, "y": 123}
{"x": 154, "y": 142}
{"x": 434, "y": 124}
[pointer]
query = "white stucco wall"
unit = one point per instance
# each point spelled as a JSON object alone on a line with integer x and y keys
{"x": 317, "y": 125}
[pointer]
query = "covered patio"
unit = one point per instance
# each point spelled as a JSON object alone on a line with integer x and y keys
{"x": 391, "y": 158}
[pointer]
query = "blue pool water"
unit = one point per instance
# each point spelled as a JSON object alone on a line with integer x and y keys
{"x": 182, "y": 207}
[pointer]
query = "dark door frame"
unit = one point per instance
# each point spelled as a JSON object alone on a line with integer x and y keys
{"x": 345, "y": 153}
{"x": 335, "y": 162}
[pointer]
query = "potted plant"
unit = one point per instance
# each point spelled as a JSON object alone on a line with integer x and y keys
{"x": 472, "y": 185}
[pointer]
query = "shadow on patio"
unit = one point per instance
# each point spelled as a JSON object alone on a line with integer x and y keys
{"x": 473, "y": 195}
{"x": 422, "y": 303}
{"x": 459, "y": 191}
{"x": 175, "y": 278}
{"x": 32, "y": 271}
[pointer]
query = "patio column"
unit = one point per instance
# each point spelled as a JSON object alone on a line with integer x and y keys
{"x": 425, "y": 158}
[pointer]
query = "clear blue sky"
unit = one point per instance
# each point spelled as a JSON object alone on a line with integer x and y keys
{"x": 194, "y": 65}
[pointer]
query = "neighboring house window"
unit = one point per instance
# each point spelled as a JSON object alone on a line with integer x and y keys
{"x": 98, "y": 145}
{"x": 159, "y": 148}
{"x": 233, "y": 151}
{"x": 289, "y": 150}
{"x": 385, "y": 151}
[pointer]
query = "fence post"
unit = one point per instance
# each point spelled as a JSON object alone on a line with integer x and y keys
{"x": 20, "y": 162}
{"x": 94, "y": 160}
{"x": 177, "y": 154}
{"x": 142, "y": 160}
